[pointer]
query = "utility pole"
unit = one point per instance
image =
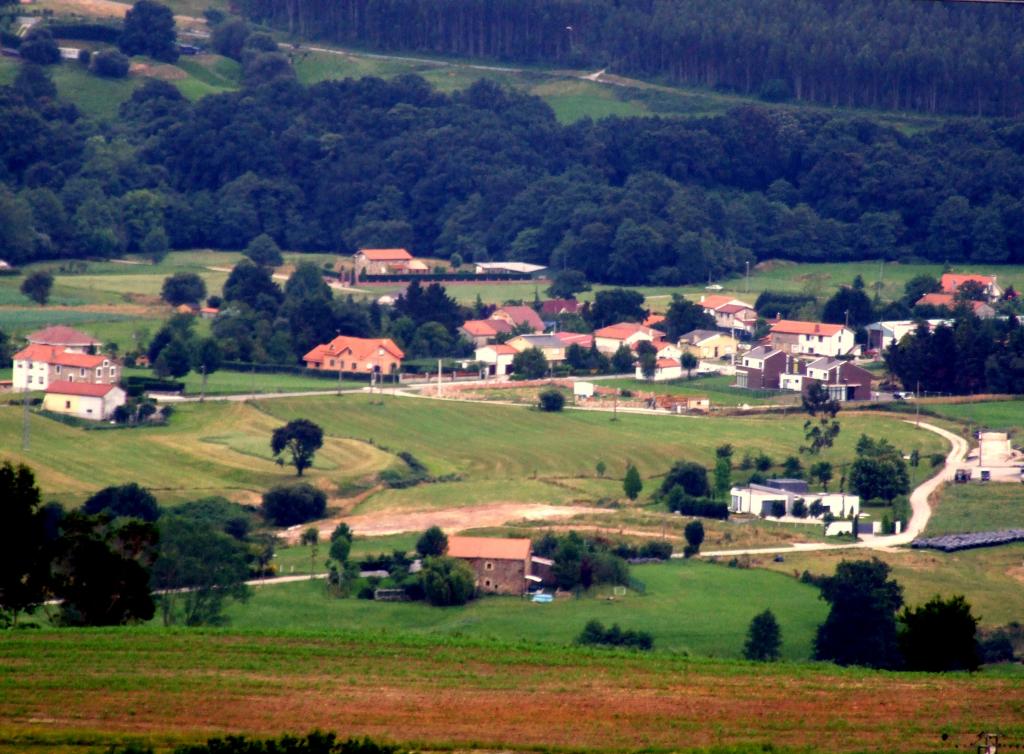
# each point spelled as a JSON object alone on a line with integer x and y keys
{"x": 917, "y": 404}
{"x": 340, "y": 364}
{"x": 438, "y": 378}
{"x": 746, "y": 288}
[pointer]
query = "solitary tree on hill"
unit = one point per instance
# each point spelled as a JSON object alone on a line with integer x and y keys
{"x": 301, "y": 438}
{"x": 763, "y": 638}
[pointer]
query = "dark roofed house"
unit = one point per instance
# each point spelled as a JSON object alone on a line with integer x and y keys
{"x": 501, "y": 566}
{"x": 760, "y": 367}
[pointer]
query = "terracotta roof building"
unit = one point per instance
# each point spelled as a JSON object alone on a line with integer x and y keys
{"x": 67, "y": 338}
{"x": 36, "y": 366}
{"x": 84, "y": 400}
{"x": 484, "y": 331}
{"x": 356, "y": 355}
{"x": 501, "y": 566}
{"x": 952, "y": 282}
{"x": 817, "y": 338}
{"x": 384, "y": 262}
{"x": 610, "y": 338}
{"x": 520, "y": 316}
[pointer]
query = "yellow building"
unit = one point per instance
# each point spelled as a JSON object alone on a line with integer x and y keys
{"x": 84, "y": 400}
{"x": 708, "y": 344}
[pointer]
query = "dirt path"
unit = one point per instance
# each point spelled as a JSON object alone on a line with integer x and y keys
{"x": 380, "y": 523}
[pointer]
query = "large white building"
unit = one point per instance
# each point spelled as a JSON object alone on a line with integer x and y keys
{"x": 758, "y": 500}
{"x": 813, "y": 338}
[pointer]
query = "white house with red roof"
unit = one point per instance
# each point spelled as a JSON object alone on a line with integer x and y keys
{"x": 664, "y": 369}
{"x": 609, "y": 339}
{"x": 496, "y": 357}
{"x": 818, "y": 338}
{"x": 386, "y": 262}
{"x": 356, "y": 355}
{"x": 480, "y": 332}
{"x": 82, "y": 399}
{"x": 951, "y": 283}
{"x": 37, "y": 365}
{"x": 730, "y": 313}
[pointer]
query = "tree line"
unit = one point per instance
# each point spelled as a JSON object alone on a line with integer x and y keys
{"x": 488, "y": 173}
{"x": 931, "y": 57}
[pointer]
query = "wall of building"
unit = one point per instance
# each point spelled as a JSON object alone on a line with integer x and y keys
{"x": 499, "y": 576}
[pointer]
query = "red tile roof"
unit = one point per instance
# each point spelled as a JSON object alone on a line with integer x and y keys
{"x": 59, "y": 335}
{"x": 733, "y": 308}
{"x": 87, "y": 389}
{"x": 623, "y": 330}
{"x": 716, "y": 300}
{"x": 663, "y": 363}
{"x": 795, "y": 327}
{"x": 385, "y": 255}
{"x": 936, "y": 299}
{"x": 950, "y": 282}
{"x": 486, "y": 327}
{"x": 521, "y": 315}
{"x": 488, "y": 548}
{"x": 654, "y": 319}
{"x": 560, "y": 306}
{"x": 360, "y": 348}
{"x": 51, "y": 355}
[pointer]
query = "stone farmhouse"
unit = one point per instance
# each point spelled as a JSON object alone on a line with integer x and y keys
{"x": 501, "y": 566}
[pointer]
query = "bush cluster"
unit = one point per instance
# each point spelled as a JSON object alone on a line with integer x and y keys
{"x": 595, "y": 634}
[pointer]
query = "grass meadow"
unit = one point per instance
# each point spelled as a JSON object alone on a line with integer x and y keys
{"x": 960, "y": 508}
{"x": 994, "y": 415}
{"x": 688, "y": 606}
{"x": 63, "y": 690}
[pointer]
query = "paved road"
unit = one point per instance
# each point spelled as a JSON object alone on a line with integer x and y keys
{"x": 920, "y": 511}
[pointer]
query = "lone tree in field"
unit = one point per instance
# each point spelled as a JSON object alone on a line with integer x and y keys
{"x": 631, "y": 483}
{"x": 183, "y": 288}
{"x": 302, "y": 439}
{"x": 37, "y": 287}
{"x": 432, "y": 542}
{"x": 694, "y": 533}
{"x": 763, "y": 638}
{"x": 821, "y": 429}
{"x": 311, "y": 537}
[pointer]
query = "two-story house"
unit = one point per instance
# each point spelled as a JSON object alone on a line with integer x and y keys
{"x": 36, "y": 366}
{"x": 812, "y": 338}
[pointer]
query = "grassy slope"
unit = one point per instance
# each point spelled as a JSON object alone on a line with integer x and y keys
{"x": 977, "y": 507}
{"x": 995, "y": 415}
{"x": 89, "y": 687}
{"x": 990, "y": 578}
{"x": 497, "y": 448}
{"x": 695, "y": 607}
{"x": 499, "y": 442}
{"x": 718, "y": 389}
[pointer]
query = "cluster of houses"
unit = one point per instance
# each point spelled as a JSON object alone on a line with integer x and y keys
{"x": 951, "y": 284}
{"x": 76, "y": 378}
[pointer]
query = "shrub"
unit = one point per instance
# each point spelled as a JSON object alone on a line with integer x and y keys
{"x": 763, "y": 638}
{"x": 778, "y": 508}
{"x": 294, "y": 504}
{"x": 694, "y": 533}
{"x": 85, "y": 57}
{"x": 800, "y": 508}
{"x": 595, "y": 634}
{"x": 128, "y": 500}
{"x": 447, "y": 581}
{"x": 679, "y": 502}
{"x": 432, "y": 542}
{"x": 691, "y": 477}
{"x": 110, "y": 64}
{"x": 656, "y": 548}
{"x": 551, "y": 399}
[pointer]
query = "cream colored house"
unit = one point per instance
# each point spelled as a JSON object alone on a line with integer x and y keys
{"x": 498, "y": 357}
{"x": 708, "y": 344}
{"x": 84, "y": 400}
{"x": 552, "y": 348}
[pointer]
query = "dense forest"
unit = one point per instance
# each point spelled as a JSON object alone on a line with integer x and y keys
{"x": 937, "y": 57}
{"x": 489, "y": 173}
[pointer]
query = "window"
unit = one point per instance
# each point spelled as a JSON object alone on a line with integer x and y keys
{"x": 354, "y": 365}
{"x": 113, "y": 372}
{"x": 58, "y": 369}
{"x": 81, "y": 372}
{"x": 487, "y": 583}
{"x": 99, "y": 371}
{"x": 488, "y": 566}
{"x": 30, "y": 379}
{"x": 67, "y": 404}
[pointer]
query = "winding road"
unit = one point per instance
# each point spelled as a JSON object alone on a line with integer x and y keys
{"x": 921, "y": 511}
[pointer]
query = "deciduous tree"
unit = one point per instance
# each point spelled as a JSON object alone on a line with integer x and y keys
{"x": 301, "y": 438}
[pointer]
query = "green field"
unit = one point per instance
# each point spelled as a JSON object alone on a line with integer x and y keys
{"x": 717, "y": 388}
{"x": 994, "y": 415}
{"x": 990, "y": 578}
{"x": 692, "y": 607}
{"x": 237, "y": 383}
{"x": 977, "y": 507}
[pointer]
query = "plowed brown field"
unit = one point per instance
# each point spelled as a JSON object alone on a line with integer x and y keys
{"x": 57, "y": 686}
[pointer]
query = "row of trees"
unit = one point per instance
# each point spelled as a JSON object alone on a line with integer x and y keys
{"x": 935, "y": 57}
{"x": 489, "y": 173}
